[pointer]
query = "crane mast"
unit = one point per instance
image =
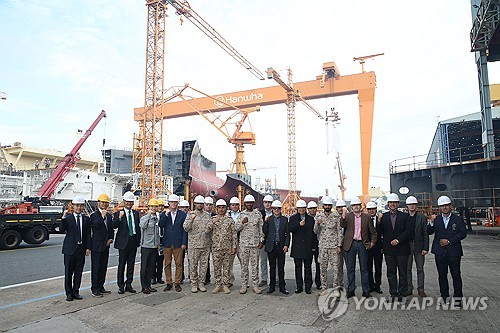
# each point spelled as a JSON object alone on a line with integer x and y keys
{"x": 342, "y": 177}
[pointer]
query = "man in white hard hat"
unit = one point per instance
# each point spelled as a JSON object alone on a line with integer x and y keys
{"x": 209, "y": 208}
{"x": 76, "y": 246}
{"x": 340, "y": 207}
{"x": 312, "y": 208}
{"x": 449, "y": 230}
{"x": 327, "y": 227}
{"x": 359, "y": 237}
{"x": 127, "y": 240}
{"x": 184, "y": 205}
{"x": 396, "y": 245}
{"x": 419, "y": 245}
{"x": 174, "y": 242}
{"x": 375, "y": 254}
{"x": 198, "y": 243}
{"x": 249, "y": 225}
{"x": 159, "y": 258}
{"x": 234, "y": 213}
{"x": 266, "y": 214}
{"x": 301, "y": 227}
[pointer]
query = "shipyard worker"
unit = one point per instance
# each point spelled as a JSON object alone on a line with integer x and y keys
{"x": 304, "y": 240}
{"x": 223, "y": 235}
{"x": 340, "y": 207}
{"x": 312, "y": 208}
{"x": 102, "y": 237}
{"x": 449, "y": 230}
{"x": 359, "y": 237}
{"x": 184, "y": 205}
{"x": 419, "y": 245}
{"x": 76, "y": 246}
{"x": 396, "y": 246}
{"x": 174, "y": 242}
{"x": 37, "y": 164}
{"x": 127, "y": 240}
{"x": 157, "y": 278}
{"x": 234, "y": 212}
{"x": 198, "y": 243}
{"x": 209, "y": 208}
{"x": 327, "y": 227}
{"x": 375, "y": 254}
{"x": 266, "y": 214}
{"x": 249, "y": 225}
{"x": 150, "y": 244}
{"x": 47, "y": 163}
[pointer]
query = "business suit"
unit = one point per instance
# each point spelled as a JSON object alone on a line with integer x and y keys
{"x": 360, "y": 246}
{"x": 274, "y": 245}
{"x": 448, "y": 256}
{"x": 303, "y": 243}
{"x": 101, "y": 232}
{"x": 396, "y": 257}
{"x": 419, "y": 241}
{"x": 127, "y": 245}
{"x": 75, "y": 244}
{"x": 264, "y": 269}
{"x": 174, "y": 236}
{"x": 375, "y": 257}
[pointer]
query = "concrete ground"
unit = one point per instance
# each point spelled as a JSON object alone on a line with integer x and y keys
{"x": 41, "y": 306}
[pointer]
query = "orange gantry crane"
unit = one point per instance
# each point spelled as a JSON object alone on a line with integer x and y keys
{"x": 328, "y": 84}
{"x": 148, "y": 143}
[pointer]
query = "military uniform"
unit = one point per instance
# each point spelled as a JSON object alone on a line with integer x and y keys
{"x": 199, "y": 246}
{"x": 330, "y": 238}
{"x": 223, "y": 242}
{"x": 251, "y": 236}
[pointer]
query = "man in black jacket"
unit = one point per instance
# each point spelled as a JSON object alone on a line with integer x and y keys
{"x": 102, "y": 237}
{"x": 301, "y": 226}
{"x": 266, "y": 212}
{"x": 312, "y": 208}
{"x": 76, "y": 246}
{"x": 276, "y": 240}
{"x": 375, "y": 254}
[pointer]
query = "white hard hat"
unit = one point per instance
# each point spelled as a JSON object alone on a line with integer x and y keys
{"x": 221, "y": 202}
{"x": 355, "y": 201}
{"x": 209, "y": 200}
{"x": 129, "y": 196}
{"x": 301, "y": 204}
{"x": 234, "y": 200}
{"x": 268, "y": 198}
{"x": 199, "y": 199}
{"x": 249, "y": 198}
{"x": 78, "y": 200}
{"x": 411, "y": 200}
{"x": 312, "y": 204}
{"x": 184, "y": 203}
{"x": 173, "y": 198}
{"x": 371, "y": 205}
{"x": 340, "y": 203}
{"x": 392, "y": 197}
{"x": 326, "y": 200}
{"x": 276, "y": 204}
{"x": 443, "y": 200}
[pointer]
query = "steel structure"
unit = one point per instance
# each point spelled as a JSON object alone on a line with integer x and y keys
{"x": 342, "y": 177}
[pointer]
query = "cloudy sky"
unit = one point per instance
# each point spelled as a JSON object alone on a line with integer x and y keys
{"x": 63, "y": 61}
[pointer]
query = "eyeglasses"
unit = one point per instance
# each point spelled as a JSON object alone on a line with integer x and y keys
{"x": 276, "y": 208}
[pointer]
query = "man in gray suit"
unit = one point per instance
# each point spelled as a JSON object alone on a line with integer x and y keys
{"x": 419, "y": 245}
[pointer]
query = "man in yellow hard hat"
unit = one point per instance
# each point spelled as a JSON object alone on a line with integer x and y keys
{"x": 102, "y": 237}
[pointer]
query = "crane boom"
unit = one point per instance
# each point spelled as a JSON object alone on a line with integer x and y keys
{"x": 67, "y": 163}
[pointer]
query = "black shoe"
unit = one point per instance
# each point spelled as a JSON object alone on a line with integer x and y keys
{"x": 69, "y": 298}
{"x": 271, "y": 290}
{"x": 378, "y": 290}
{"x": 130, "y": 289}
{"x": 207, "y": 281}
{"x": 168, "y": 287}
{"x": 350, "y": 294}
{"x": 372, "y": 289}
{"x": 153, "y": 281}
{"x": 284, "y": 291}
{"x": 367, "y": 295}
{"x": 308, "y": 291}
{"x": 400, "y": 299}
{"x": 298, "y": 290}
{"x": 104, "y": 291}
{"x": 153, "y": 290}
{"x": 121, "y": 291}
{"x": 318, "y": 287}
{"x": 97, "y": 294}
{"x": 145, "y": 291}
{"x": 160, "y": 281}
{"x": 77, "y": 296}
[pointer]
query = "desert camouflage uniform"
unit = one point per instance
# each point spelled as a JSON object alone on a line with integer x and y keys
{"x": 198, "y": 244}
{"x": 251, "y": 235}
{"x": 330, "y": 238}
{"x": 223, "y": 242}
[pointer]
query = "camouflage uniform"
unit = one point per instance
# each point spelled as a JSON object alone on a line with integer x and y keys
{"x": 330, "y": 238}
{"x": 198, "y": 245}
{"x": 223, "y": 242}
{"x": 251, "y": 235}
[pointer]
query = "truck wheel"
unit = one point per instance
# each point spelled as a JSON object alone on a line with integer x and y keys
{"x": 10, "y": 240}
{"x": 35, "y": 235}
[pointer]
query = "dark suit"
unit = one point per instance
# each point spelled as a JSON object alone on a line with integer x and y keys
{"x": 74, "y": 251}
{"x": 449, "y": 255}
{"x": 375, "y": 257}
{"x": 264, "y": 269}
{"x": 396, "y": 257}
{"x": 419, "y": 241}
{"x": 174, "y": 236}
{"x": 303, "y": 243}
{"x": 127, "y": 246}
{"x": 317, "y": 273}
{"x": 102, "y": 231}
{"x": 274, "y": 248}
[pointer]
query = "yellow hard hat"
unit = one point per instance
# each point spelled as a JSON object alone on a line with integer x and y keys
{"x": 161, "y": 202}
{"x": 103, "y": 198}
{"x": 153, "y": 202}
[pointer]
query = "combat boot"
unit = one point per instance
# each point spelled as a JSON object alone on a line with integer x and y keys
{"x": 194, "y": 289}
{"x": 202, "y": 288}
{"x": 257, "y": 290}
{"x": 216, "y": 290}
{"x": 226, "y": 290}
{"x": 243, "y": 290}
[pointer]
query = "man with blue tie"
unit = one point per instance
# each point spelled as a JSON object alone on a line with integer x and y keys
{"x": 76, "y": 246}
{"x": 174, "y": 241}
{"x": 128, "y": 239}
{"x": 449, "y": 230}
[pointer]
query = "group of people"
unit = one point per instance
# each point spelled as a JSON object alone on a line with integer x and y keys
{"x": 260, "y": 239}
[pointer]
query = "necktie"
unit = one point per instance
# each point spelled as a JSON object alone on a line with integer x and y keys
{"x": 375, "y": 221}
{"x": 130, "y": 228}
{"x": 393, "y": 222}
{"x": 79, "y": 229}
